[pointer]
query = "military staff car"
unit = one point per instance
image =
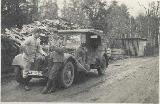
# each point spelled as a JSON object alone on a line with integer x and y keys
{"x": 93, "y": 56}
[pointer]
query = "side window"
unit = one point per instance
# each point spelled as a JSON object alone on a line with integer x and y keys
{"x": 73, "y": 41}
{"x": 93, "y": 41}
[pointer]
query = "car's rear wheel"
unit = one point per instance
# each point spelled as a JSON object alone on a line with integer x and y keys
{"x": 18, "y": 75}
{"x": 101, "y": 70}
{"x": 67, "y": 75}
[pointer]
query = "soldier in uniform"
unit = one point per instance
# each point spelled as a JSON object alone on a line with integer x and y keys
{"x": 55, "y": 62}
{"x": 80, "y": 54}
{"x": 31, "y": 52}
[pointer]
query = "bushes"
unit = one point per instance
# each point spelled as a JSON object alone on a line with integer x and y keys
{"x": 9, "y": 49}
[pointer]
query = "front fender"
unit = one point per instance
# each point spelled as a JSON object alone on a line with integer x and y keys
{"x": 18, "y": 60}
{"x": 70, "y": 57}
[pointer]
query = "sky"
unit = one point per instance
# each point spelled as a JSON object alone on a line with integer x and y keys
{"x": 133, "y": 5}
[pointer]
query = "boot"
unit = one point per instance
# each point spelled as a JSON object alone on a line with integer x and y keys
{"x": 47, "y": 87}
{"x": 53, "y": 87}
{"x": 26, "y": 85}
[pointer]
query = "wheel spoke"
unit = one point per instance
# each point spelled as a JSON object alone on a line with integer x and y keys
{"x": 68, "y": 74}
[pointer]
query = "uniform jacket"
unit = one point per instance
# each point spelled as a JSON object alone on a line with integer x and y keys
{"x": 56, "y": 50}
{"x": 31, "y": 48}
{"x": 57, "y": 54}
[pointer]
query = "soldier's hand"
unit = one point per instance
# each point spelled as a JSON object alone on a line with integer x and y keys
{"x": 45, "y": 54}
{"x": 41, "y": 57}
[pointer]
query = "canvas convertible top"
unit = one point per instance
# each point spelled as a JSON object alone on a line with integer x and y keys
{"x": 93, "y": 31}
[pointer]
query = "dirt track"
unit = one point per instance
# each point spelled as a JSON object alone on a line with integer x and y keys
{"x": 133, "y": 80}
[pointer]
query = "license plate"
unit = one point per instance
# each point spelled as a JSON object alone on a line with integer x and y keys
{"x": 37, "y": 73}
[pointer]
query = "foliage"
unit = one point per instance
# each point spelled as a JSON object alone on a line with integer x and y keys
{"x": 49, "y": 10}
{"x": 16, "y": 13}
{"x": 118, "y": 20}
{"x": 148, "y": 24}
{"x": 97, "y": 13}
{"x": 112, "y": 19}
{"x": 72, "y": 11}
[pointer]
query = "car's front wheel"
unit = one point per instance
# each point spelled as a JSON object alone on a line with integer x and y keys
{"x": 67, "y": 75}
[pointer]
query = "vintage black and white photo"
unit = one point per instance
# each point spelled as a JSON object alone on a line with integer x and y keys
{"x": 80, "y": 51}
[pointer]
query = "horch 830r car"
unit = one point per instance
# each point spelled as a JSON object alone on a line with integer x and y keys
{"x": 84, "y": 51}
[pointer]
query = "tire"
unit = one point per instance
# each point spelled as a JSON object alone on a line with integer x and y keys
{"x": 18, "y": 75}
{"x": 67, "y": 75}
{"x": 101, "y": 70}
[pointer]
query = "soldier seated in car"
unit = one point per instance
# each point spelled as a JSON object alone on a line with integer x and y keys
{"x": 81, "y": 55}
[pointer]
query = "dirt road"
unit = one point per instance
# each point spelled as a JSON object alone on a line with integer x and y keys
{"x": 133, "y": 80}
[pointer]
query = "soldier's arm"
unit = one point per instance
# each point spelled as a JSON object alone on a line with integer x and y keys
{"x": 41, "y": 51}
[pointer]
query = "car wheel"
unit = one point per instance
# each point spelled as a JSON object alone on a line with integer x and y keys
{"x": 102, "y": 68}
{"x": 18, "y": 75}
{"x": 67, "y": 75}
